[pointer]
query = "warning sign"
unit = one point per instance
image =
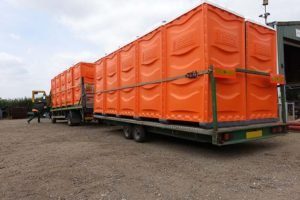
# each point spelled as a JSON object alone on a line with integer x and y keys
{"x": 277, "y": 79}
{"x": 225, "y": 72}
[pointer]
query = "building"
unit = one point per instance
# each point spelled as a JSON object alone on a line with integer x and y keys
{"x": 288, "y": 42}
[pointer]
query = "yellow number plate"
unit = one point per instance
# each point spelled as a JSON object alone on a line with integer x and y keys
{"x": 254, "y": 134}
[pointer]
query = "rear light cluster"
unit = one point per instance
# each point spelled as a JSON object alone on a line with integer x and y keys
{"x": 226, "y": 137}
{"x": 279, "y": 129}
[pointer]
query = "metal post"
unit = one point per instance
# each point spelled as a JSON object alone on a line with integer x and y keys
{"x": 294, "y": 113}
{"x": 83, "y": 100}
{"x": 283, "y": 102}
{"x": 290, "y": 106}
{"x": 266, "y": 17}
{"x": 214, "y": 98}
{"x": 266, "y": 14}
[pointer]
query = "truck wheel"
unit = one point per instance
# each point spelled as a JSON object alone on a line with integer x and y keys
{"x": 53, "y": 121}
{"x": 128, "y": 132}
{"x": 70, "y": 121}
{"x": 73, "y": 118}
{"x": 139, "y": 134}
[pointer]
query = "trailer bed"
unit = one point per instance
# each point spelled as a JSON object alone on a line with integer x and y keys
{"x": 221, "y": 137}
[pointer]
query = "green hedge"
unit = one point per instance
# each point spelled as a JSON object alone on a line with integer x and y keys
{"x": 13, "y": 103}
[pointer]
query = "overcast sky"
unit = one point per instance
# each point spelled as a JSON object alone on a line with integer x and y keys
{"x": 40, "y": 38}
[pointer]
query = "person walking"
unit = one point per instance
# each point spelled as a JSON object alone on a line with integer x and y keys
{"x": 38, "y": 110}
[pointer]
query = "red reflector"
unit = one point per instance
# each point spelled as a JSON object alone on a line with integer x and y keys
{"x": 226, "y": 136}
{"x": 274, "y": 129}
{"x": 278, "y": 129}
{"x": 285, "y": 129}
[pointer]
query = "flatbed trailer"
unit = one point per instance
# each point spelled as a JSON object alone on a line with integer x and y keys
{"x": 138, "y": 128}
{"x": 75, "y": 114}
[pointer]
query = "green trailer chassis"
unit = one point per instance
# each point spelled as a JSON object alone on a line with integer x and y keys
{"x": 224, "y": 136}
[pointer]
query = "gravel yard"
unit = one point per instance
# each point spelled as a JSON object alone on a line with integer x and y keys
{"x": 54, "y": 161}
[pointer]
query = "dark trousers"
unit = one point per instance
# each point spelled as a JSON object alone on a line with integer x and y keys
{"x": 35, "y": 114}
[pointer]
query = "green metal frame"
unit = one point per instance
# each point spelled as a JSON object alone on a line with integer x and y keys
{"x": 213, "y": 86}
{"x": 77, "y": 107}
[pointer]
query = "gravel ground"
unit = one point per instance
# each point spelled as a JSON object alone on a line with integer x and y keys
{"x": 46, "y": 161}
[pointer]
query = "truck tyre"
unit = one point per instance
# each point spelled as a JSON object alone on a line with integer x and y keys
{"x": 70, "y": 121}
{"x": 73, "y": 118}
{"x": 128, "y": 132}
{"x": 139, "y": 134}
{"x": 53, "y": 121}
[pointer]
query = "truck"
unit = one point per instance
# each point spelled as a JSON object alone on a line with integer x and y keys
{"x": 72, "y": 94}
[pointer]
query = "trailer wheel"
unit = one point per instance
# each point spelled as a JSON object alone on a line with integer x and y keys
{"x": 128, "y": 132}
{"x": 53, "y": 120}
{"x": 139, "y": 134}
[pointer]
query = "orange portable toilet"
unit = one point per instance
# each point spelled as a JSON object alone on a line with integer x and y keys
{"x": 128, "y": 77}
{"x": 53, "y": 93}
{"x": 207, "y": 35}
{"x": 63, "y": 79}
{"x": 83, "y": 72}
{"x": 150, "y": 68}
{"x": 69, "y": 85}
{"x": 112, "y": 82}
{"x": 99, "y": 87}
{"x": 58, "y": 90}
{"x": 262, "y": 102}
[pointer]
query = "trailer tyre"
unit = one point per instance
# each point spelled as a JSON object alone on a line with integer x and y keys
{"x": 128, "y": 132}
{"x": 139, "y": 134}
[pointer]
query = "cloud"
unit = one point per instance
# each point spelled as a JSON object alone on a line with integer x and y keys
{"x": 114, "y": 23}
{"x": 45, "y": 37}
{"x": 109, "y": 24}
{"x": 11, "y": 65}
{"x": 64, "y": 60}
{"x": 6, "y": 57}
{"x": 14, "y": 36}
{"x": 12, "y": 75}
